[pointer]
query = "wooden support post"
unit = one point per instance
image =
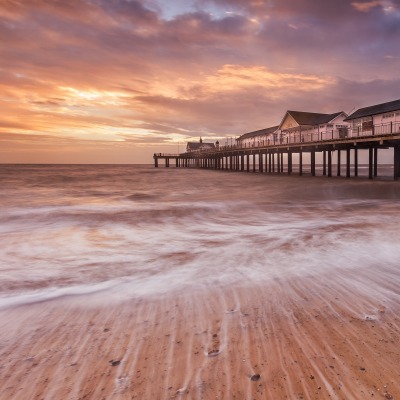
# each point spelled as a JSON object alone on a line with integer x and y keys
{"x": 355, "y": 162}
{"x": 370, "y": 162}
{"x": 338, "y": 162}
{"x": 329, "y": 163}
{"x": 260, "y": 163}
{"x": 167, "y": 162}
{"x": 273, "y": 162}
{"x": 281, "y": 162}
{"x": 230, "y": 163}
{"x": 278, "y": 163}
{"x": 396, "y": 162}
{"x": 290, "y": 166}
{"x": 254, "y": 162}
{"x": 269, "y": 162}
{"x": 375, "y": 162}
{"x": 324, "y": 163}
{"x": 301, "y": 163}
{"x": 348, "y": 163}
{"x": 312, "y": 162}
{"x": 242, "y": 162}
{"x": 248, "y": 162}
{"x": 155, "y": 162}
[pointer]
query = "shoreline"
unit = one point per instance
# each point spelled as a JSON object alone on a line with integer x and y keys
{"x": 322, "y": 336}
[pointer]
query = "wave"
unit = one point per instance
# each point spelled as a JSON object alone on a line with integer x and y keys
{"x": 187, "y": 228}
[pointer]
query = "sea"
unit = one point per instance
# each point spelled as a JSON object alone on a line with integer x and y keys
{"x": 132, "y": 231}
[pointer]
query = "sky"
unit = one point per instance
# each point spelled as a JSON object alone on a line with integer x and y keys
{"x": 114, "y": 81}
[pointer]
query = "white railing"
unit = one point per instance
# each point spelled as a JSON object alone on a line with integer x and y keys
{"x": 311, "y": 137}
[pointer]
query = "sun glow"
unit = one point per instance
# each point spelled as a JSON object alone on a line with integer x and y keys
{"x": 94, "y": 96}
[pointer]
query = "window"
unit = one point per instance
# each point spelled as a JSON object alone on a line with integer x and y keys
{"x": 388, "y": 115}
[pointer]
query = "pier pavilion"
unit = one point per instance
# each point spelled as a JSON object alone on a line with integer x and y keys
{"x": 368, "y": 129}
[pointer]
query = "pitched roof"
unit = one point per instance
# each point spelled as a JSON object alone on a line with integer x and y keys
{"x": 265, "y": 131}
{"x": 198, "y": 145}
{"x": 373, "y": 110}
{"x": 307, "y": 118}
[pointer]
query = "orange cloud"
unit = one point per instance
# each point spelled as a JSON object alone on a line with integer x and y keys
{"x": 365, "y": 7}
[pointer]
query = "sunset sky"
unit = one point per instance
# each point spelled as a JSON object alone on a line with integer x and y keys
{"x": 113, "y": 81}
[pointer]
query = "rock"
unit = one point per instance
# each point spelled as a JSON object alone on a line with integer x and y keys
{"x": 388, "y": 396}
{"x": 213, "y": 353}
{"x": 362, "y": 369}
{"x": 114, "y": 363}
{"x": 255, "y": 377}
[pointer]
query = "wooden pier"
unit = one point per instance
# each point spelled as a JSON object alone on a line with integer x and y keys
{"x": 278, "y": 158}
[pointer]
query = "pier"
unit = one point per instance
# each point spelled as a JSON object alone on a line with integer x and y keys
{"x": 337, "y": 138}
{"x": 278, "y": 158}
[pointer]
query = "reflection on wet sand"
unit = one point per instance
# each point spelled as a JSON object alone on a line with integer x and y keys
{"x": 316, "y": 337}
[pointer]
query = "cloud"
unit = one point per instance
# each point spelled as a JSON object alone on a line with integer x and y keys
{"x": 100, "y": 71}
{"x": 369, "y": 5}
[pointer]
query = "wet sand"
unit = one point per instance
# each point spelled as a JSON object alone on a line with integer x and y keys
{"x": 332, "y": 336}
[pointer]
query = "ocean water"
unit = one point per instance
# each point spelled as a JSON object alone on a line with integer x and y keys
{"x": 134, "y": 231}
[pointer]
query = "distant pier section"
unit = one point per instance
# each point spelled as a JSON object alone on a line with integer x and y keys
{"x": 338, "y": 138}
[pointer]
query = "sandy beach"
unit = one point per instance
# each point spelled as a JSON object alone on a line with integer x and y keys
{"x": 315, "y": 337}
{"x": 111, "y": 289}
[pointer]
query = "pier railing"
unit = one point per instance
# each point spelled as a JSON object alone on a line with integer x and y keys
{"x": 166, "y": 155}
{"x": 313, "y": 136}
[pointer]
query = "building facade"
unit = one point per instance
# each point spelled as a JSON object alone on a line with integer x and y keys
{"x": 380, "y": 119}
{"x": 299, "y": 126}
{"x": 262, "y": 137}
